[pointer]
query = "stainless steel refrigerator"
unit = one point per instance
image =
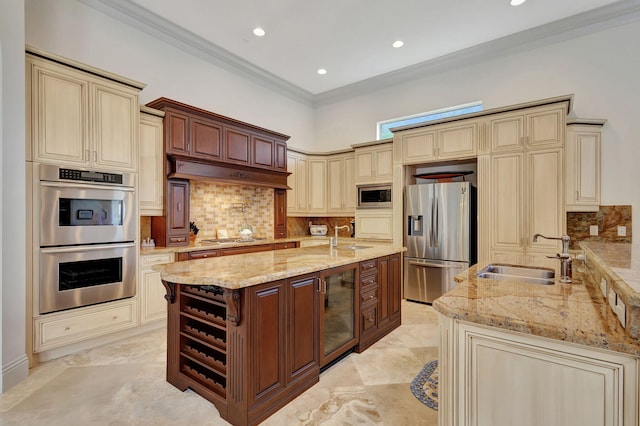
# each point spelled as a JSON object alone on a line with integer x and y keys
{"x": 440, "y": 236}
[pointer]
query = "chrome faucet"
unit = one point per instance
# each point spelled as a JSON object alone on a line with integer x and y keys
{"x": 334, "y": 243}
{"x": 565, "y": 257}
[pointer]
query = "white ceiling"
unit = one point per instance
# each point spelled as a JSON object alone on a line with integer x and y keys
{"x": 350, "y": 38}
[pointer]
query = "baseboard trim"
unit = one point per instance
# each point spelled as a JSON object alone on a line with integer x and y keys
{"x": 14, "y": 372}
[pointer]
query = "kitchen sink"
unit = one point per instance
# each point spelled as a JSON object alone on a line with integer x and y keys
{"x": 522, "y": 274}
{"x": 353, "y": 247}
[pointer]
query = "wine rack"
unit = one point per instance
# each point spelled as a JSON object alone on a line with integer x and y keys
{"x": 203, "y": 337}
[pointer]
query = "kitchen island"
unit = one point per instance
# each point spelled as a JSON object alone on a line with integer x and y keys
{"x": 251, "y": 332}
{"x": 532, "y": 354}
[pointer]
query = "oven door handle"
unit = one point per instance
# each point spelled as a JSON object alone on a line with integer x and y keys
{"x": 73, "y": 249}
{"x": 86, "y": 186}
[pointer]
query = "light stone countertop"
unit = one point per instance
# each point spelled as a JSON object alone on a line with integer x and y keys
{"x": 575, "y": 313}
{"x": 199, "y": 245}
{"x": 245, "y": 270}
{"x": 619, "y": 260}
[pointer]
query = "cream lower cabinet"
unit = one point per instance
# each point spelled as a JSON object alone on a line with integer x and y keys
{"x": 78, "y": 118}
{"x": 375, "y": 224}
{"x": 68, "y": 327}
{"x": 490, "y": 376}
{"x": 526, "y": 197}
{"x": 151, "y": 155}
{"x": 153, "y": 306}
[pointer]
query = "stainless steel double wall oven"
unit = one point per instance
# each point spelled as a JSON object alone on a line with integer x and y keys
{"x": 88, "y": 232}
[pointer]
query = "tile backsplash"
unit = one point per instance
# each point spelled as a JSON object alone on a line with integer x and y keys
{"x": 216, "y": 206}
{"x": 607, "y": 219}
{"x": 299, "y": 226}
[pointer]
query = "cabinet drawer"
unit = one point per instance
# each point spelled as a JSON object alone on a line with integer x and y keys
{"x": 369, "y": 296}
{"x": 148, "y": 260}
{"x": 177, "y": 240}
{"x": 369, "y": 318}
{"x": 203, "y": 254}
{"x": 290, "y": 244}
{"x": 368, "y": 266}
{"x": 85, "y": 323}
{"x": 368, "y": 280}
{"x": 247, "y": 249}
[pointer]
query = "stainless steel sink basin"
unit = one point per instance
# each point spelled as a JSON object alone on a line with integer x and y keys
{"x": 353, "y": 247}
{"x": 522, "y": 274}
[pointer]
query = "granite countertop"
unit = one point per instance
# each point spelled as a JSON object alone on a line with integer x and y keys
{"x": 619, "y": 260}
{"x": 245, "y": 270}
{"x": 575, "y": 313}
{"x": 200, "y": 245}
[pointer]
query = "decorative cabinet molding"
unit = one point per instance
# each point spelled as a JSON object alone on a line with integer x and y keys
{"x": 374, "y": 164}
{"x": 494, "y": 365}
{"x": 151, "y": 176}
{"x": 80, "y": 116}
{"x": 582, "y": 165}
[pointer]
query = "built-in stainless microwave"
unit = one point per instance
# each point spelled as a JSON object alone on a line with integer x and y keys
{"x": 374, "y": 196}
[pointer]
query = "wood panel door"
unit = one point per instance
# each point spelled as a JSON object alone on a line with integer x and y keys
{"x": 151, "y": 158}
{"x": 458, "y": 141}
{"x": 237, "y": 146}
{"x": 206, "y": 139}
{"x": 176, "y": 129}
{"x": 178, "y": 206}
{"x": 507, "y": 202}
{"x": 280, "y": 156}
{"x": 394, "y": 288}
{"x": 280, "y": 213}
{"x": 263, "y": 152}
{"x": 267, "y": 375}
{"x": 302, "y": 327}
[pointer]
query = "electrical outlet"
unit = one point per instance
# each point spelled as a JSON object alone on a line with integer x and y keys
{"x": 622, "y": 231}
{"x": 593, "y": 230}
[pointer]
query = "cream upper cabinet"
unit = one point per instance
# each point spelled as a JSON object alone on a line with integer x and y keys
{"x": 541, "y": 127}
{"x": 582, "y": 160}
{"x": 341, "y": 189}
{"x": 317, "y": 185}
{"x": 297, "y": 197}
{"x": 80, "y": 119}
{"x": 508, "y": 378}
{"x": 151, "y": 155}
{"x": 374, "y": 164}
{"x": 418, "y": 146}
{"x": 457, "y": 140}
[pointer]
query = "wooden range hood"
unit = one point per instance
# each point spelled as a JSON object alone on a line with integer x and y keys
{"x": 194, "y": 169}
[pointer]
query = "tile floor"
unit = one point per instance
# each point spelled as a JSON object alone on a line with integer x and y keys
{"x": 123, "y": 384}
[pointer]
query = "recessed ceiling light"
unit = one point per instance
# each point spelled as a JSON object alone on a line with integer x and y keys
{"x": 322, "y": 71}
{"x": 258, "y": 32}
{"x": 398, "y": 43}
{"x": 517, "y": 2}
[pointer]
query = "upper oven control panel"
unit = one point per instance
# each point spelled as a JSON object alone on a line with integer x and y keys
{"x": 90, "y": 176}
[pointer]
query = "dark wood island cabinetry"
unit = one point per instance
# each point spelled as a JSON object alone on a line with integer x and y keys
{"x": 252, "y": 348}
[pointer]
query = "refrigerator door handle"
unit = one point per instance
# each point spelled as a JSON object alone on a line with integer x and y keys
{"x": 437, "y": 227}
{"x": 435, "y": 265}
{"x": 431, "y": 228}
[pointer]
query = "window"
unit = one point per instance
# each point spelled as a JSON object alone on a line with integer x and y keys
{"x": 384, "y": 126}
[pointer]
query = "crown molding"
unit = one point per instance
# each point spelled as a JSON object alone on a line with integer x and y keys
{"x": 599, "y": 19}
{"x": 160, "y": 28}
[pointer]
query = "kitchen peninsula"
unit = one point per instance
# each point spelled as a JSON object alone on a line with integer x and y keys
{"x": 251, "y": 332}
{"x": 532, "y": 354}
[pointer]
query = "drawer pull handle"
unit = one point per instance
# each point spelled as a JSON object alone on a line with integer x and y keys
{"x": 371, "y": 296}
{"x": 370, "y": 319}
